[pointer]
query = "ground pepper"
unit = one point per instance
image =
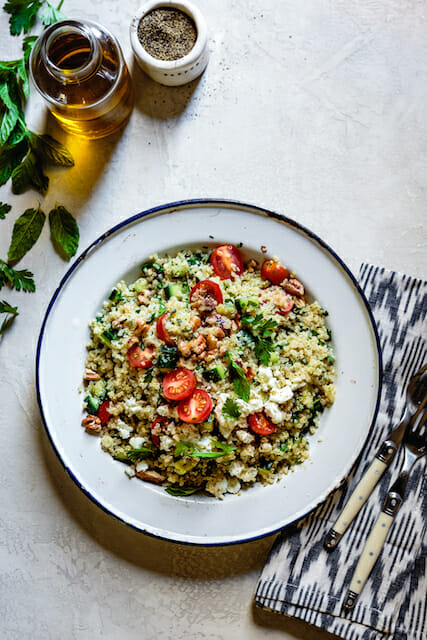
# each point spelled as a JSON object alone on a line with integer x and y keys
{"x": 167, "y": 34}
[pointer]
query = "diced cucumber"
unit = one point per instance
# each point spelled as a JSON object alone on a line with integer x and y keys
{"x": 92, "y": 404}
{"x": 243, "y": 303}
{"x": 184, "y": 466}
{"x": 216, "y": 373}
{"x": 274, "y": 357}
{"x": 174, "y": 289}
{"x": 179, "y": 270}
{"x": 115, "y": 296}
{"x": 98, "y": 389}
{"x": 139, "y": 286}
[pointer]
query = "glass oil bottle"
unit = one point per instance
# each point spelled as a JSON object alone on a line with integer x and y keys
{"x": 78, "y": 67}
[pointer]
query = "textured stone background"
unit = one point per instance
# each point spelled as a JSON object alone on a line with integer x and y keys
{"x": 315, "y": 109}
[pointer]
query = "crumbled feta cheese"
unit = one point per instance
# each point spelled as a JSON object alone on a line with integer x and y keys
{"x": 265, "y": 447}
{"x": 107, "y": 442}
{"x": 142, "y": 466}
{"x": 217, "y": 487}
{"x": 245, "y": 436}
{"x": 247, "y": 452}
{"x": 163, "y": 410}
{"x": 241, "y": 471}
{"x": 281, "y": 395}
{"x": 130, "y": 472}
{"x": 266, "y": 378}
{"x": 124, "y": 429}
{"x": 225, "y": 423}
{"x": 136, "y": 442}
{"x": 273, "y": 411}
{"x": 166, "y": 442}
{"x": 233, "y": 485}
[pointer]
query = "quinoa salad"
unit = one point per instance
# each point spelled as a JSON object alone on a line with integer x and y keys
{"x": 208, "y": 372}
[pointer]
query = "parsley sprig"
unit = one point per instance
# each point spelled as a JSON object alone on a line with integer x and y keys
{"x": 231, "y": 409}
{"x": 9, "y": 312}
{"x": 262, "y": 331}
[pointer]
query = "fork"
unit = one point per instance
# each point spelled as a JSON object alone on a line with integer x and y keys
{"x": 414, "y": 446}
{"x": 417, "y": 389}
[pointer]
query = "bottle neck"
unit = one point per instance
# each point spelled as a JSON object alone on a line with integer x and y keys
{"x": 70, "y": 52}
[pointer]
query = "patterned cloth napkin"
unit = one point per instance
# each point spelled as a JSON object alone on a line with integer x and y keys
{"x": 302, "y": 580}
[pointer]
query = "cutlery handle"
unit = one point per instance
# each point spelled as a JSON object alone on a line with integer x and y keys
{"x": 356, "y": 501}
{"x": 372, "y": 549}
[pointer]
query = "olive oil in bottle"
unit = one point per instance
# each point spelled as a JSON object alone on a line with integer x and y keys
{"x": 78, "y": 67}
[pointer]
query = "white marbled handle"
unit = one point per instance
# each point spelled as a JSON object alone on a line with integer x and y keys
{"x": 356, "y": 501}
{"x": 370, "y": 553}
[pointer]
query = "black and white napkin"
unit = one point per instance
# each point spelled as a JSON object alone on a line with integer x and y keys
{"x": 302, "y": 580}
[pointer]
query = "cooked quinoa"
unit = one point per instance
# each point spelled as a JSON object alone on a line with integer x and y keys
{"x": 206, "y": 375}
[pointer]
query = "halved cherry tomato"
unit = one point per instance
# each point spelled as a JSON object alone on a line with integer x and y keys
{"x": 104, "y": 411}
{"x": 285, "y": 305}
{"x": 141, "y": 359}
{"x": 260, "y": 424}
{"x": 157, "y": 430}
{"x": 207, "y": 288}
{"x": 196, "y": 408}
{"x": 161, "y": 331}
{"x": 274, "y": 271}
{"x": 178, "y": 384}
{"x": 226, "y": 261}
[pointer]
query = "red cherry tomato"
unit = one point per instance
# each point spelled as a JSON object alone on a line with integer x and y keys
{"x": 260, "y": 424}
{"x": 207, "y": 288}
{"x": 178, "y": 384}
{"x": 104, "y": 411}
{"x": 141, "y": 359}
{"x": 226, "y": 261}
{"x": 196, "y": 408}
{"x": 157, "y": 428}
{"x": 274, "y": 271}
{"x": 161, "y": 331}
{"x": 285, "y": 305}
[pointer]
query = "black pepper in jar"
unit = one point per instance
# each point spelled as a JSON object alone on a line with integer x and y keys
{"x": 167, "y": 34}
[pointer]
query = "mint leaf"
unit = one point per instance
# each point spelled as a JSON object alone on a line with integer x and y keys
{"x": 231, "y": 409}
{"x": 139, "y": 454}
{"x": 11, "y": 313}
{"x": 8, "y": 123}
{"x": 29, "y": 174}
{"x": 51, "y": 150}
{"x": 64, "y": 230}
{"x": 25, "y": 233}
{"x": 4, "y": 208}
{"x": 49, "y": 15}
{"x": 22, "y": 14}
{"x": 16, "y": 279}
{"x": 10, "y": 158}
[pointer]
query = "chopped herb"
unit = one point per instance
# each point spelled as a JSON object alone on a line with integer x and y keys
{"x": 182, "y": 491}
{"x": 168, "y": 357}
{"x": 11, "y": 313}
{"x": 152, "y": 265}
{"x": 183, "y": 448}
{"x": 148, "y": 376}
{"x": 240, "y": 245}
{"x": 115, "y": 296}
{"x": 108, "y": 336}
{"x": 4, "y": 208}
{"x": 211, "y": 236}
{"x": 284, "y": 447}
{"x": 331, "y": 359}
{"x": 139, "y": 454}
{"x": 240, "y": 384}
{"x": 231, "y": 409}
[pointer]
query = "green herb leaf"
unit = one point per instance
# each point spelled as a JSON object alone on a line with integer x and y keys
{"x": 168, "y": 357}
{"x": 64, "y": 230}
{"x": 29, "y": 174}
{"x": 27, "y": 45}
{"x": 241, "y": 386}
{"x": 10, "y": 158}
{"x": 16, "y": 279}
{"x": 49, "y": 15}
{"x": 224, "y": 450}
{"x": 25, "y": 234}
{"x": 231, "y": 408}
{"x": 183, "y": 448}
{"x": 51, "y": 150}
{"x": 4, "y": 208}
{"x": 182, "y": 491}
{"x": 139, "y": 454}
{"x": 11, "y": 313}
{"x": 22, "y": 14}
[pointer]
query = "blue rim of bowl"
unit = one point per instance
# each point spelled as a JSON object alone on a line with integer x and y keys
{"x": 170, "y": 208}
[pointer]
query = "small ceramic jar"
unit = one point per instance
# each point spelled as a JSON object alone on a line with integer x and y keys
{"x": 181, "y": 70}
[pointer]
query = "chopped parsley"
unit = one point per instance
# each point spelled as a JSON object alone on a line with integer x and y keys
{"x": 231, "y": 409}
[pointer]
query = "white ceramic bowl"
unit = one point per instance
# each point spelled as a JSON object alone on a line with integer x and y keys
{"x": 173, "y": 72}
{"x": 201, "y": 519}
